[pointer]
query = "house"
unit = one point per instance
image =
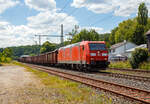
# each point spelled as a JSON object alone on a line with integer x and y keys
{"x": 120, "y": 49}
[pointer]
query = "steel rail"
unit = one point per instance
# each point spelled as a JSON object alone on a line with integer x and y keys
{"x": 126, "y": 76}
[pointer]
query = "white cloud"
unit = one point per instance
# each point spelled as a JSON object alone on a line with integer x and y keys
{"x": 47, "y": 23}
{"x": 97, "y": 6}
{"x": 41, "y": 5}
{"x": 11, "y": 35}
{"x": 119, "y": 7}
{"x": 5, "y": 4}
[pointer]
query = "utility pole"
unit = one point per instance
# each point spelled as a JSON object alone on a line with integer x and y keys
{"x": 61, "y": 38}
{"x": 40, "y": 40}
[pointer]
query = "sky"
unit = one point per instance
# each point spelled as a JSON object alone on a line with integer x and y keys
{"x": 21, "y": 20}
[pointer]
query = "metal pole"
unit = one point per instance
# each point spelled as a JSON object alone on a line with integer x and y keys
{"x": 61, "y": 38}
{"x": 40, "y": 40}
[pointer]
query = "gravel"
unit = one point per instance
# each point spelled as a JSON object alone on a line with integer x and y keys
{"x": 128, "y": 82}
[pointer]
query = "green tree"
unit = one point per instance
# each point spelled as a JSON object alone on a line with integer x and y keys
{"x": 0, "y": 56}
{"x": 47, "y": 47}
{"x": 7, "y": 52}
{"x": 74, "y": 31}
{"x": 105, "y": 37}
{"x": 124, "y": 30}
{"x": 86, "y": 35}
{"x": 138, "y": 37}
{"x": 112, "y": 36}
{"x": 142, "y": 14}
{"x": 6, "y": 55}
{"x": 147, "y": 27}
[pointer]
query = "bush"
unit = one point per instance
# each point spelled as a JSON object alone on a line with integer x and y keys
{"x": 5, "y": 59}
{"x": 138, "y": 56}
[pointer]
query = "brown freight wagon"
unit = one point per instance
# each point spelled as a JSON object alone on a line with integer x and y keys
{"x": 49, "y": 58}
{"x": 52, "y": 58}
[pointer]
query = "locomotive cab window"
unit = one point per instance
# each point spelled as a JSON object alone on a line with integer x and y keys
{"x": 97, "y": 46}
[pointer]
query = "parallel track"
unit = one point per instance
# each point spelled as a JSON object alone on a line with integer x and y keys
{"x": 129, "y": 92}
{"x": 126, "y": 76}
{"x": 131, "y": 70}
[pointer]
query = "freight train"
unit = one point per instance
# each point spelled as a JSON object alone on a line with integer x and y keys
{"x": 82, "y": 56}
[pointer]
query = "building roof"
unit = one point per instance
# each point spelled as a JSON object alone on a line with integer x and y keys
{"x": 148, "y": 32}
{"x": 24, "y": 56}
{"x": 140, "y": 46}
{"x": 117, "y": 45}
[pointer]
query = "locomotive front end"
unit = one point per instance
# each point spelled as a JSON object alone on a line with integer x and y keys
{"x": 98, "y": 55}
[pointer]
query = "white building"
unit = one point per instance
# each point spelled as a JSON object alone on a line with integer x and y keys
{"x": 120, "y": 49}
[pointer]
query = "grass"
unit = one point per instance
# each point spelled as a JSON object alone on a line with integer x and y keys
{"x": 6, "y": 63}
{"x": 145, "y": 66}
{"x": 120, "y": 64}
{"x": 63, "y": 91}
{"x": 126, "y": 64}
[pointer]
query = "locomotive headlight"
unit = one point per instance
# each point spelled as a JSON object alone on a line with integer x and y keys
{"x": 104, "y": 54}
{"x": 105, "y": 58}
{"x": 92, "y": 58}
{"x": 92, "y": 54}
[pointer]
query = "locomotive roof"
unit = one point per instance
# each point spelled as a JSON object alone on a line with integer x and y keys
{"x": 93, "y": 41}
{"x": 70, "y": 45}
{"x": 81, "y": 43}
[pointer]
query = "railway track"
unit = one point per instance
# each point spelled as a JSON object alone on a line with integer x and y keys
{"x": 139, "y": 95}
{"x": 131, "y": 70}
{"x": 126, "y": 76}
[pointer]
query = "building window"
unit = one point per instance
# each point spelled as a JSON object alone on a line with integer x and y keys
{"x": 113, "y": 50}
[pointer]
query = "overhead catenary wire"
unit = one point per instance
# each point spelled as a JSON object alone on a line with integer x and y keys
{"x": 101, "y": 20}
{"x": 68, "y": 15}
{"x": 75, "y": 9}
{"x": 67, "y": 3}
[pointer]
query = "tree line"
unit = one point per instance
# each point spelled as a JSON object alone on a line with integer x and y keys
{"x": 16, "y": 52}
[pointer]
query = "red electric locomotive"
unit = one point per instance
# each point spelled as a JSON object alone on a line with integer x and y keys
{"x": 85, "y": 55}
